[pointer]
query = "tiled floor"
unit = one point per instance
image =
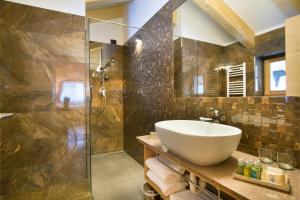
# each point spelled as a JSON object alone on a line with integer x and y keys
{"x": 116, "y": 177}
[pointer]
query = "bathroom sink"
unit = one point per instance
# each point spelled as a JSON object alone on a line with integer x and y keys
{"x": 202, "y": 143}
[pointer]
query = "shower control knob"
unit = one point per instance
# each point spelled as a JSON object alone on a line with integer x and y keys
{"x": 102, "y": 91}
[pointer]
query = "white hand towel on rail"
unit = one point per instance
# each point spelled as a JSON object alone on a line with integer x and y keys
{"x": 166, "y": 188}
{"x": 188, "y": 195}
{"x": 162, "y": 171}
{"x": 171, "y": 164}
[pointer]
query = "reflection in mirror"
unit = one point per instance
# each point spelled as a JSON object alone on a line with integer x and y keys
{"x": 208, "y": 61}
{"x": 275, "y": 76}
{"x": 202, "y": 59}
{"x": 72, "y": 95}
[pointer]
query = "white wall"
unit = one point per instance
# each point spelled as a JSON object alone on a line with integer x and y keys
{"x": 193, "y": 23}
{"x": 76, "y": 7}
{"x": 103, "y": 32}
{"x": 138, "y": 12}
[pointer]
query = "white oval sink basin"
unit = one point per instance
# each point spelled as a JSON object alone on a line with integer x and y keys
{"x": 202, "y": 143}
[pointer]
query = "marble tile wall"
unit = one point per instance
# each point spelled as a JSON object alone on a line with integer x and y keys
{"x": 148, "y": 79}
{"x": 42, "y": 81}
{"x": 149, "y": 97}
{"x": 107, "y": 115}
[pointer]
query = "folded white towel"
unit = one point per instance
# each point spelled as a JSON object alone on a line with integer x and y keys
{"x": 171, "y": 164}
{"x": 166, "y": 188}
{"x": 166, "y": 174}
{"x": 188, "y": 195}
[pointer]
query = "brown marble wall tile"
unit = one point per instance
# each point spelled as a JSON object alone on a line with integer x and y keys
{"x": 27, "y": 195}
{"x": 43, "y": 82}
{"x": 36, "y": 85}
{"x": 75, "y": 190}
{"x": 24, "y": 45}
{"x": 148, "y": 79}
{"x": 177, "y": 60}
{"x": 149, "y": 96}
{"x": 26, "y": 99}
{"x": 26, "y": 179}
{"x": 270, "y": 42}
{"x": 59, "y": 152}
{"x": 69, "y": 191}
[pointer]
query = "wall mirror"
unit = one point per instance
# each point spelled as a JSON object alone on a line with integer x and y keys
{"x": 210, "y": 62}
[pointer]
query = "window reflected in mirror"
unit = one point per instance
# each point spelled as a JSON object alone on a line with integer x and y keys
{"x": 275, "y": 76}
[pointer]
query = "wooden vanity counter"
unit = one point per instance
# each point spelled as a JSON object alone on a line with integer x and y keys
{"x": 220, "y": 175}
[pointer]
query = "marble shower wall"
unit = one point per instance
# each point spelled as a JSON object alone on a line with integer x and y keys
{"x": 149, "y": 96}
{"x": 42, "y": 81}
{"x": 107, "y": 115}
{"x": 148, "y": 79}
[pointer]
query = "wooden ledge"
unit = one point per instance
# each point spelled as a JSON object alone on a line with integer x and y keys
{"x": 220, "y": 176}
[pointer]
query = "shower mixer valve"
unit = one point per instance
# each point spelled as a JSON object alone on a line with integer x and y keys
{"x": 102, "y": 91}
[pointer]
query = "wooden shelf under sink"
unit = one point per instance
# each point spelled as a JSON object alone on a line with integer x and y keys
{"x": 220, "y": 176}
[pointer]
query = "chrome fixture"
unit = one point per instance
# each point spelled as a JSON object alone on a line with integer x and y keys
{"x": 6, "y": 115}
{"x": 100, "y": 72}
{"x": 109, "y": 64}
{"x": 215, "y": 117}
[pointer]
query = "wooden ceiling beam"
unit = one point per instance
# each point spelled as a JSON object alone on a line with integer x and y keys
{"x": 229, "y": 20}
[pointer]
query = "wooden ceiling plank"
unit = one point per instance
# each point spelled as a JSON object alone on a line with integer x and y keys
{"x": 229, "y": 20}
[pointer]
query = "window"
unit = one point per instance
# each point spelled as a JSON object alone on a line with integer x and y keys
{"x": 275, "y": 76}
{"x": 199, "y": 85}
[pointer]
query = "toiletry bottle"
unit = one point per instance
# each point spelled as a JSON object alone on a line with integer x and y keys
{"x": 263, "y": 175}
{"x": 256, "y": 170}
{"x": 241, "y": 166}
{"x": 248, "y": 167}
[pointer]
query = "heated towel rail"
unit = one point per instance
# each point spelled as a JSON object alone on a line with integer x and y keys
{"x": 236, "y": 80}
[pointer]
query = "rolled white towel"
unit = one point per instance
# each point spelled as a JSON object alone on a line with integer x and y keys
{"x": 166, "y": 188}
{"x": 166, "y": 174}
{"x": 187, "y": 194}
{"x": 171, "y": 164}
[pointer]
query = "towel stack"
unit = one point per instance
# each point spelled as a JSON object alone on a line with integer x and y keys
{"x": 165, "y": 178}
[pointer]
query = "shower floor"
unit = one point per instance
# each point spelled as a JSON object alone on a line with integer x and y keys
{"x": 116, "y": 176}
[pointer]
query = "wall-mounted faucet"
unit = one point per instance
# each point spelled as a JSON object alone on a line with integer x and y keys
{"x": 6, "y": 115}
{"x": 215, "y": 117}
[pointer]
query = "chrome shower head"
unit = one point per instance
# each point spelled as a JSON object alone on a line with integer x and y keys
{"x": 109, "y": 64}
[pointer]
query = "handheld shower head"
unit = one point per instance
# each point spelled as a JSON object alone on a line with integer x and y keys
{"x": 109, "y": 64}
